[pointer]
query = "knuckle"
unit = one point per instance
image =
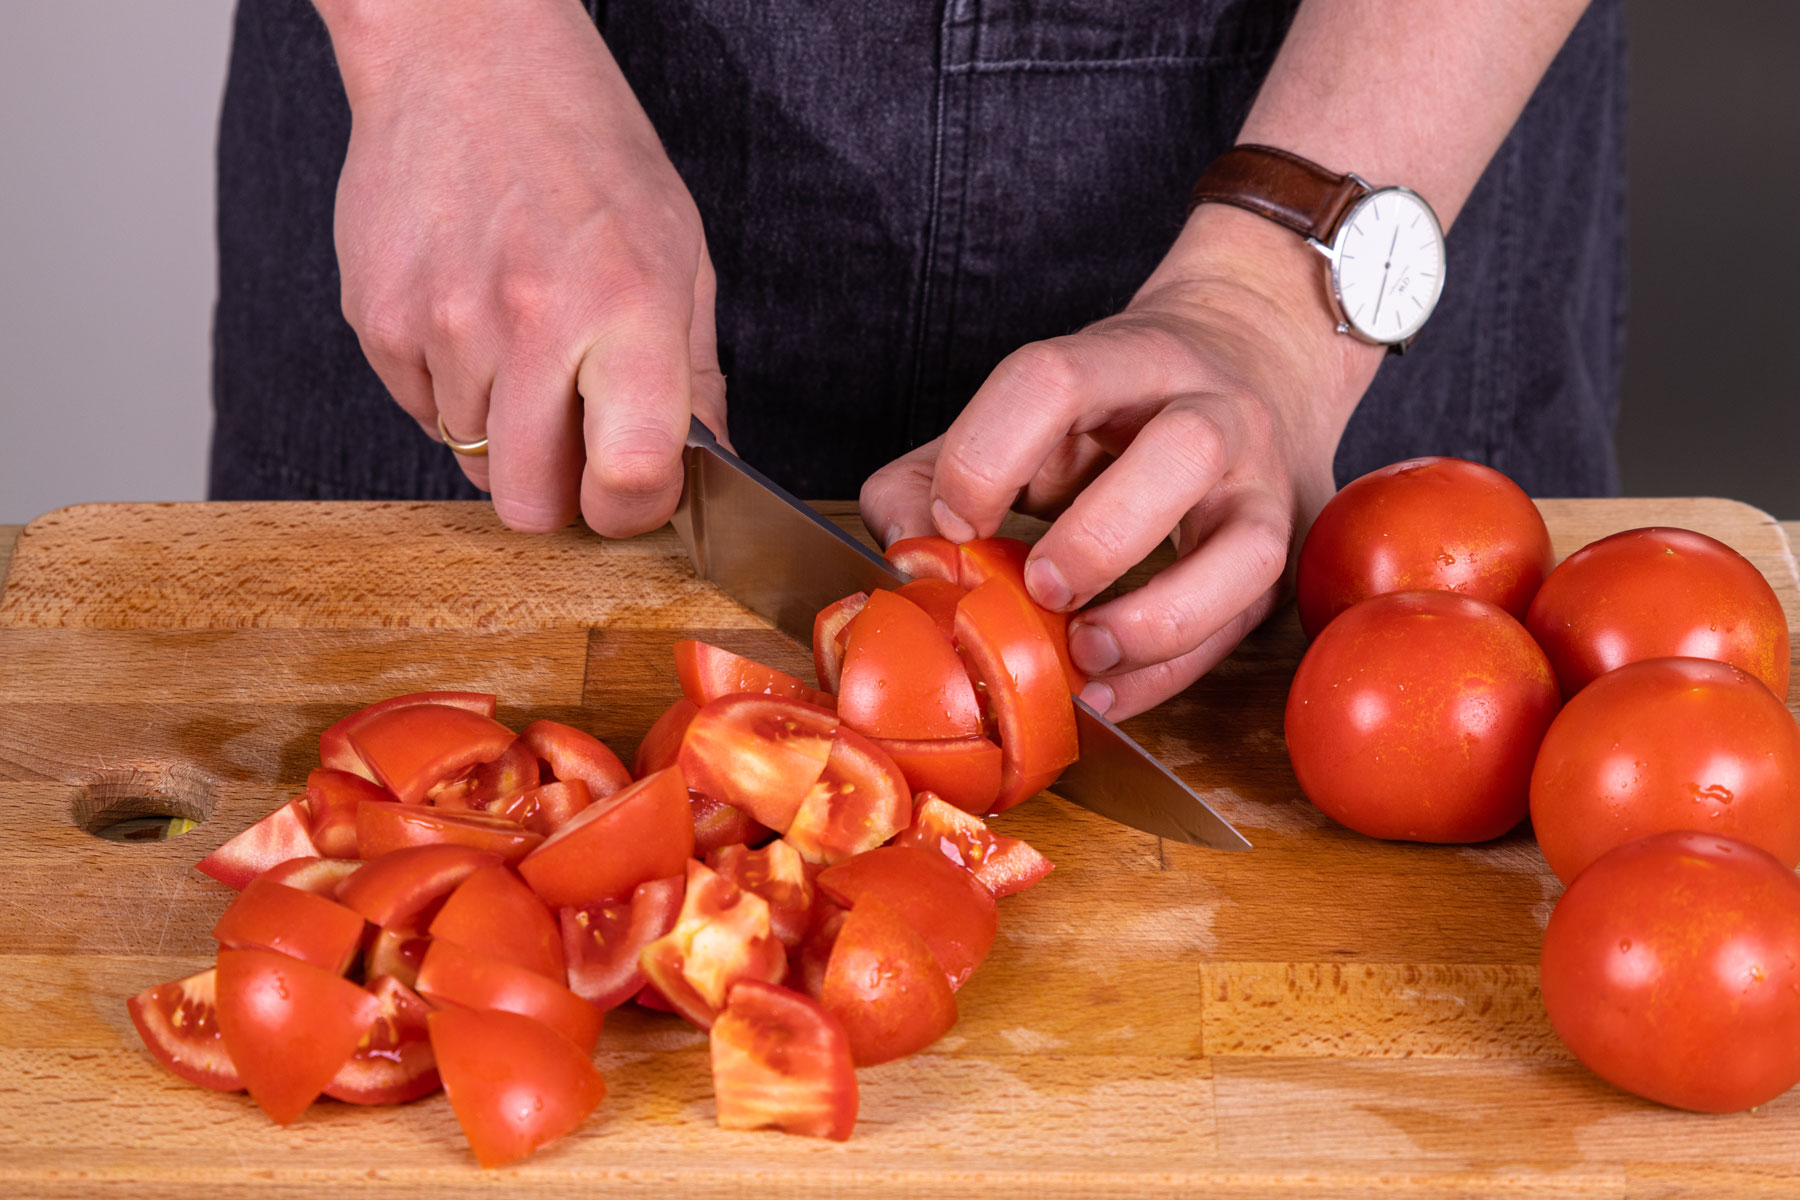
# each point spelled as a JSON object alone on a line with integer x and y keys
{"x": 527, "y": 299}
{"x": 1044, "y": 371}
{"x": 1196, "y": 440}
{"x": 454, "y": 315}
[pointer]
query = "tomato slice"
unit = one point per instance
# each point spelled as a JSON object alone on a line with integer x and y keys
{"x": 758, "y": 753}
{"x": 828, "y": 647}
{"x": 717, "y": 824}
{"x": 942, "y": 902}
{"x": 180, "y": 1027}
{"x": 902, "y": 677}
{"x": 384, "y": 828}
{"x": 926, "y": 558}
{"x": 453, "y": 975}
{"x": 642, "y": 833}
{"x": 722, "y": 936}
{"x": 393, "y": 1062}
{"x": 779, "y": 875}
{"x": 661, "y": 747}
{"x": 602, "y": 941}
{"x": 273, "y": 916}
{"x": 1004, "y": 558}
{"x": 708, "y": 672}
{"x": 411, "y": 749}
{"x": 860, "y": 801}
{"x": 1002, "y": 864}
{"x": 482, "y": 786}
{"x": 574, "y": 754}
{"x": 964, "y": 771}
{"x": 320, "y": 876}
{"x": 886, "y": 987}
{"x": 493, "y": 913}
{"x": 780, "y": 1061}
{"x": 396, "y": 952}
{"x": 400, "y": 886}
{"x": 996, "y": 624}
{"x": 276, "y": 838}
{"x": 289, "y": 1026}
{"x": 330, "y": 801}
{"x": 336, "y": 751}
{"x": 515, "y": 1084}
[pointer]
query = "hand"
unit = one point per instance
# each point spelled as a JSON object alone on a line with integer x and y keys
{"x": 1208, "y": 410}
{"x": 519, "y": 255}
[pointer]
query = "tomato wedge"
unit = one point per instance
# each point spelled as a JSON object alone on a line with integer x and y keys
{"x": 276, "y": 838}
{"x": 336, "y": 752}
{"x": 886, "y": 987}
{"x": 396, "y": 952}
{"x": 393, "y": 1062}
{"x": 400, "y": 886}
{"x": 758, "y": 753}
{"x": 718, "y": 824}
{"x": 574, "y": 754}
{"x": 515, "y": 1084}
{"x": 926, "y": 558}
{"x": 997, "y": 625}
{"x": 642, "y": 833}
{"x": 482, "y": 786}
{"x": 331, "y": 800}
{"x": 453, "y": 975}
{"x": 942, "y": 902}
{"x": 289, "y": 1026}
{"x": 411, "y": 749}
{"x": 860, "y": 801}
{"x": 1004, "y": 558}
{"x": 492, "y": 913}
{"x": 937, "y": 599}
{"x": 273, "y": 916}
{"x": 320, "y": 876}
{"x": 546, "y": 808}
{"x": 661, "y": 746}
{"x": 180, "y": 1026}
{"x": 779, "y": 875}
{"x": 1002, "y": 864}
{"x": 708, "y": 672}
{"x": 964, "y": 771}
{"x": 828, "y": 644}
{"x": 902, "y": 677}
{"x": 601, "y": 942}
{"x": 780, "y": 1061}
{"x": 384, "y": 828}
{"x": 722, "y": 936}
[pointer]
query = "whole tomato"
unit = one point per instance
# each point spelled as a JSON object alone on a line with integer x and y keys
{"x": 1667, "y": 743}
{"x": 1416, "y": 715}
{"x": 1671, "y": 967}
{"x": 1658, "y": 593}
{"x": 1426, "y": 524}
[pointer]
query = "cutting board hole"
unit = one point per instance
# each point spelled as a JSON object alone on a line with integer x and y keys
{"x": 143, "y": 805}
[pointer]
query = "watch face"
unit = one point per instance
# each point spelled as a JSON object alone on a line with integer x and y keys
{"x": 1389, "y": 266}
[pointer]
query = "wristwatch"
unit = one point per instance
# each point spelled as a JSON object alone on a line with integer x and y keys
{"x": 1383, "y": 246}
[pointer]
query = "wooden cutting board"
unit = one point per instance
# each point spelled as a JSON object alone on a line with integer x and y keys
{"x": 1324, "y": 1015}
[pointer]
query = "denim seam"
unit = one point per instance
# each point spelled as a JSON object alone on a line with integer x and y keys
{"x": 992, "y": 66}
{"x": 928, "y": 256}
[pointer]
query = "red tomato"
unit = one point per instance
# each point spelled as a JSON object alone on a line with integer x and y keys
{"x": 828, "y": 649}
{"x": 602, "y": 941}
{"x": 320, "y": 876}
{"x": 926, "y": 558}
{"x": 492, "y": 913}
{"x": 1416, "y": 716}
{"x": 937, "y": 598}
{"x": 1004, "y": 558}
{"x": 452, "y": 975}
{"x": 860, "y": 801}
{"x": 885, "y": 986}
{"x": 1667, "y": 743}
{"x": 272, "y": 916}
{"x": 999, "y": 628}
{"x": 482, "y": 786}
{"x": 331, "y": 800}
{"x": 397, "y": 953}
{"x": 1423, "y": 525}
{"x": 942, "y": 902}
{"x": 718, "y": 824}
{"x": 412, "y": 748}
{"x": 289, "y": 1026}
{"x": 902, "y": 677}
{"x": 722, "y": 935}
{"x": 515, "y": 1084}
{"x": 708, "y": 672}
{"x": 397, "y": 888}
{"x": 336, "y": 752}
{"x": 758, "y": 753}
{"x": 1002, "y": 864}
{"x": 808, "y": 963}
{"x": 1671, "y": 967}
{"x": 661, "y": 746}
{"x": 780, "y": 1061}
{"x": 383, "y": 828}
{"x": 393, "y": 1062}
{"x": 1659, "y": 593}
{"x": 780, "y": 876}
{"x": 642, "y": 833}
{"x": 545, "y": 808}
{"x": 964, "y": 771}
{"x": 574, "y": 754}
{"x": 180, "y": 1027}
{"x": 276, "y": 838}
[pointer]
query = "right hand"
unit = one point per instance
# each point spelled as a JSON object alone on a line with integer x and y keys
{"x": 519, "y": 255}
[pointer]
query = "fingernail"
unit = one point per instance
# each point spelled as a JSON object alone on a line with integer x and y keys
{"x": 1097, "y": 696}
{"x": 1047, "y": 585}
{"x": 893, "y": 535}
{"x": 1093, "y": 647}
{"x": 951, "y": 525}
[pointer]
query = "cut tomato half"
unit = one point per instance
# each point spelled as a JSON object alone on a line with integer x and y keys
{"x": 493, "y": 913}
{"x": 515, "y": 1084}
{"x": 384, "y": 828}
{"x": 575, "y": 754}
{"x": 642, "y": 833}
{"x": 997, "y": 625}
{"x": 273, "y": 916}
{"x": 393, "y": 1062}
{"x": 179, "y": 1023}
{"x": 278, "y": 837}
{"x": 885, "y": 986}
{"x": 964, "y": 771}
{"x": 602, "y": 941}
{"x": 413, "y": 748}
{"x": 1002, "y": 864}
{"x": 860, "y": 801}
{"x": 828, "y": 645}
{"x": 761, "y": 754}
{"x": 780, "y": 1061}
{"x": 902, "y": 677}
{"x": 943, "y": 903}
{"x": 452, "y": 975}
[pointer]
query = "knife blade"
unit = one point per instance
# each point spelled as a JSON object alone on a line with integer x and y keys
{"x": 777, "y": 557}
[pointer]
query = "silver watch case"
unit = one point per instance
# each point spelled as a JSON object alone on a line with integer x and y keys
{"x": 1371, "y": 195}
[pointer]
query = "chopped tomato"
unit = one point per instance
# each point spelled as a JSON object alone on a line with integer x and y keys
{"x": 722, "y": 936}
{"x": 937, "y": 599}
{"x": 275, "y": 839}
{"x": 807, "y": 964}
{"x": 383, "y": 828}
{"x": 602, "y": 941}
{"x": 400, "y": 886}
{"x": 453, "y": 975}
{"x": 515, "y": 1084}
{"x": 942, "y": 902}
{"x": 483, "y": 785}
{"x": 886, "y": 987}
{"x": 758, "y": 753}
{"x": 546, "y": 808}
{"x": 997, "y": 625}
{"x": 964, "y": 771}
{"x": 396, "y": 952}
{"x": 273, "y": 916}
{"x": 411, "y": 749}
{"x": 718, "y": 824}
{"x": 779, "y": 875}
{"x": 902, "y": 677}
{"x": 393, "y": 1062}
{"x": 661, "y": 746}
{"x": 492, "y": 913}
{"x": 180, "y": 1027}
{"x": 336, "y": 752}
{"x": 331, "y": 799}
{"x": 1004, "y": 558}
{"x": 320, "y": 876}
{"x": 926, "y": 558}
{"x": 574, "y": 754}
{"x": 642, "y": 833}
{"x": 289, "y": 1026}
{"x": 860, "y": 801}
{"x": 1003, "y": 864}
{"x": 708, "y": 672}
{"x": 780, "y": 1061}
{"x": 828, "y": 638}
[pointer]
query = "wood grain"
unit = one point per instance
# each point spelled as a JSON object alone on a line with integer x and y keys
{"x": 1326, "y": 1015}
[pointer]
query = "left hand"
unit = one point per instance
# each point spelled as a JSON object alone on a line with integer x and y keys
{"x": 1208, "y": 410}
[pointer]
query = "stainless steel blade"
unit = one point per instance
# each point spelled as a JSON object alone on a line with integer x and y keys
{"x": 783, "y": 561}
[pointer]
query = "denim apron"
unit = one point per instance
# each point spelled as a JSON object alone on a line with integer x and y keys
{"x": 896, "y": 196}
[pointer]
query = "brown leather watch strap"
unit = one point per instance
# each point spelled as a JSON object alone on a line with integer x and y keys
{"x": 1283, "y": 187}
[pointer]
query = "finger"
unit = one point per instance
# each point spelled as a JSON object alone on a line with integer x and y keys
{"x": 535, "y": 451}
{"x": 402, "y": 372}
{"x": 1075, "y": 464}
{"x": 896, "y": 500}
{"x": 1174, "y": 461}
{"x": 459, "y": 394}
{"x": 1122, "y": 696}
{"x": 707, "y": 386}
{"x": 634, "y": 382}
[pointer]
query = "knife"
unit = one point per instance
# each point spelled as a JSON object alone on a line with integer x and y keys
{"x": 783, "y": 561}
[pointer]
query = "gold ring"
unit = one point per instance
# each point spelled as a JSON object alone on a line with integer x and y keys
{"x": 475, "y": 449}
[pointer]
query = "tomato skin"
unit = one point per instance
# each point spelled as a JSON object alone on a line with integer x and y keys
{"x": 1425, "y": 524}
{"x": 760, "y": 754}
{"x": 1004, "y": 558}
{"x": 926, "y": 558}
{"x": 1416, "y": 716}
{"x": 944, "y": 904}
{"x": 575, "y": 754}
{"x": 885, "y": 986}
{"x": 384, "y": 828}
{"x": 1659, "y": 593}
{"x": 901, "y": 676}
{"x": 661, "y": 746}
{"x": 642, "y": 833}
{"x": 515, "y": 1084}
{"x": 602, "y": 941}
{"x": 272, "y": 916}
{"x": 1001, "y": 864}
{"x": 963, "y": 771}
{"x": 860, "y": 801}
{"x": 331, "y": 800}
{"x": 998, "y": 626}
{"x": 1667, "y": 743}
{"x": 452, "y": 975}
{"x": 1671, "y": 967}
{"x": 708, "y": 672}
{"x": 399, "y": 886}
{"x": 780, "y": 1061}
{"x": 393, "y": 1062}
{"x": 179, "y": 1023}
{"x": 411, "y": 749}
{"x": 493, "y": 913}
{"x": 828, "y": 650}
{"x": 336, "y": 751}
{"x": 278, "y": 837}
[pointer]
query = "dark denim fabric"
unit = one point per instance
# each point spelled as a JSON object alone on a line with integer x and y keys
{"x": 896, "y": 196}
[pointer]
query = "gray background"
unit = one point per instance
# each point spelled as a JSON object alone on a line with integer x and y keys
{"x": 107, "y": 114}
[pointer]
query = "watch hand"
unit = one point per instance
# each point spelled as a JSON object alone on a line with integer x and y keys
{"x": 1381, "y": 293}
